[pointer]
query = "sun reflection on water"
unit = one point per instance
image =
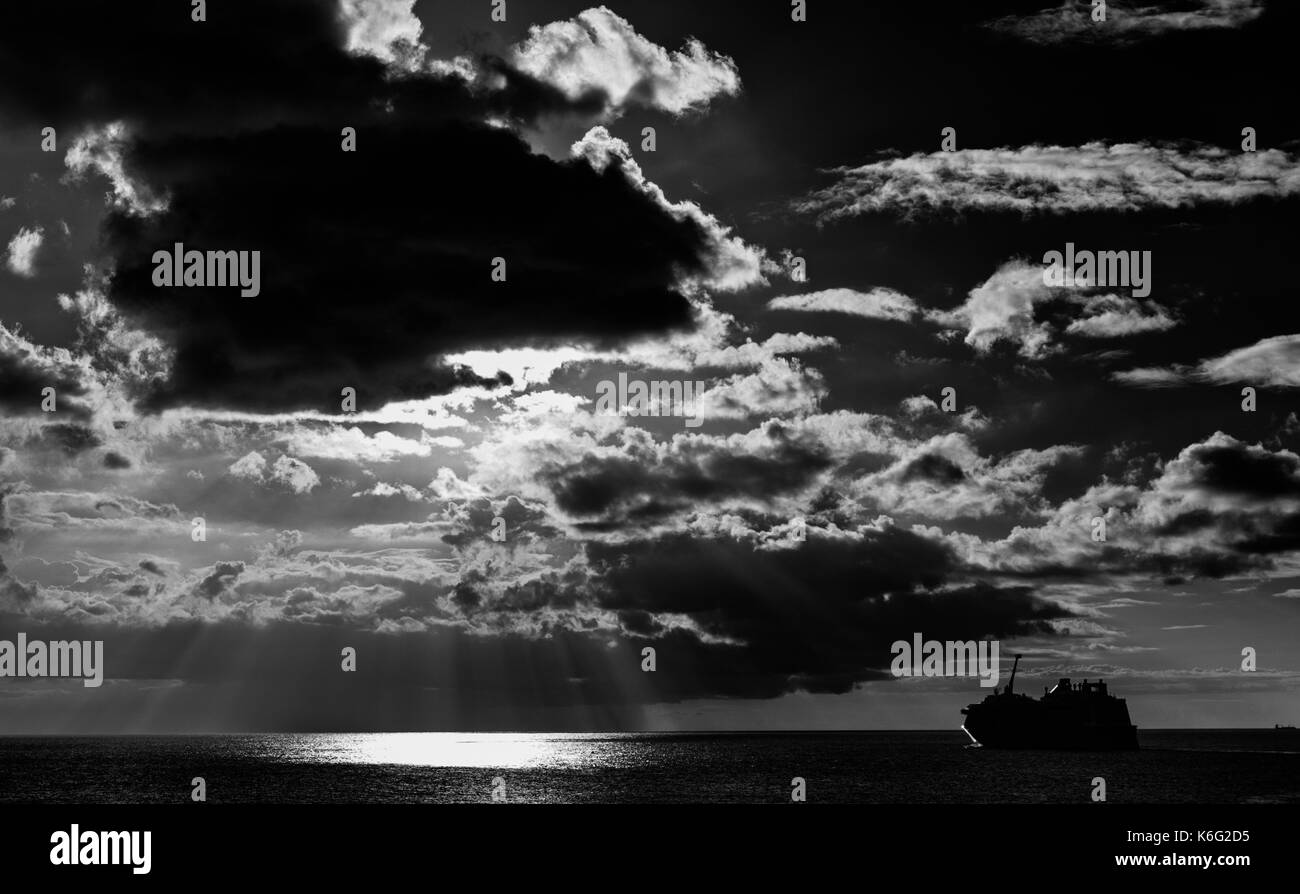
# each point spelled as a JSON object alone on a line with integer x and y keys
{"x": 505, "y": 750}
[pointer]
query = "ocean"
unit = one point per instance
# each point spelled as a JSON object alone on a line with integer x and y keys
{"x": 1173, "y": 766}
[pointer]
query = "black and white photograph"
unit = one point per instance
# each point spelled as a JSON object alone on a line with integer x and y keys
{"x": 484, "y": 409}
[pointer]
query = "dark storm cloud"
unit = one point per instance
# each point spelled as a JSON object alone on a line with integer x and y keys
{"x": 220, "y": 579}
{"x": 475, "y": 520}
{"x": 1238, "y": 469}
{"x": 116, "y": 461}
{"x": 1186, "y": 523}
{"x": 71, "y": 439}
{"x": 6, "y": 530}
{"x": 819, "y": 618}
{"x": 1284, "y": 536}
{"x": 1205, "y": 563}
{"x": 933, "y": 467}
{"x": 26, "y": 370}
{"x": 14, "y": 594}
{"x": 1263, "y": 487}
{"x": 632, "y": 486}
{"x": 280, "y": 62}
{"x": 373, "y": 263}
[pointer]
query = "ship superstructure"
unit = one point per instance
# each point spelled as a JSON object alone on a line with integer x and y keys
{"x": 1070, "y": 715}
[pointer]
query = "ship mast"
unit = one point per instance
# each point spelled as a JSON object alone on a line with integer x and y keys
{"x": 1011, "y": 684}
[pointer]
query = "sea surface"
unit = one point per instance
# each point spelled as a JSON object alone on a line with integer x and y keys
{"x": 1173, "y": 766}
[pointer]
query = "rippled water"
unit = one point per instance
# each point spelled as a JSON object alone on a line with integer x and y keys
{"x": 1215, "y": 766}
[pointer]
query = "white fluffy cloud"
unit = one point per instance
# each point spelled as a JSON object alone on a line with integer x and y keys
{"x": 880, "y": 304}
{"x": 1114, "y": 316}
{"x": 22, "y": 250}
{"x": 600, "y": 50}
{"x": 1271, "y": 362}
{"x": 251, "y": 466}
{"x": 101, "y": 150}
{"x": 378, "y": 27}
{"x": 1091, "y": 177}
{"x": 136, "y": 356}
{"x": 293, "y": 474}
{"x": 351, "y": 444}
{"x": 1002, "y": 308}
{"x": 383, "y": 489}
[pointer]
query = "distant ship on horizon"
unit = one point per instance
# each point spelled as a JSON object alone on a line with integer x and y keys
{"x": 1083, "y": 716}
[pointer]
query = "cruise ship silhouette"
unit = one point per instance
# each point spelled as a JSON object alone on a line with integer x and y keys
{"x": 1081, "y": 716}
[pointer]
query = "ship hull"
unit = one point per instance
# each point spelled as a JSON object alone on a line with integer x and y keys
{"x": 1071, "y": 737}
{"x": 1017, "y": 722}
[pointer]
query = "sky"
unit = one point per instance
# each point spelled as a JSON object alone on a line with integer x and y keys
{"x": 806, "y": 240}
